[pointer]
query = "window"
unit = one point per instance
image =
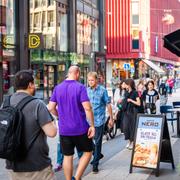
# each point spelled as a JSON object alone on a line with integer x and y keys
{"x": 49, "y": 42}
{"x": 95, "y": 35}
{"x": 135, "y": 13}
{"x": 38, "y": 3}
{"x": 37, "y": 20}
{"x": 50, "y": 2}
{"x": 50, "y": 19}
{"x": 135, "y": 43}
{"x": 63, "y": 34}
{"x": 84, "y": 33}
{"x": 135, "y": 38}
{"x": 31, "y": 3}
{"x": 95, "y": 3}
{"x": 44, "y": 2}
{"x": 44, "y": 19}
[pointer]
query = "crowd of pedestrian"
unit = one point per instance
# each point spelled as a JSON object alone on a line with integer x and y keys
{"x": 81, "y": 115}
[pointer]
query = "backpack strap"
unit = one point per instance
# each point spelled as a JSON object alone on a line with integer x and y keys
{"x": 20, "y": 106}
{"x": 6, "y": 101}
{"x": 24, "y": 102}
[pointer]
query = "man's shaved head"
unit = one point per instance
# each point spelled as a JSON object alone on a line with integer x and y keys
{"x": 73, "y": 69}
{"x": 74, "y": 72}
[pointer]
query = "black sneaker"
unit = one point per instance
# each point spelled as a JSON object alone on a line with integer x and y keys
{"x": 73, "y": 178}
{"x": 95, "y": 169}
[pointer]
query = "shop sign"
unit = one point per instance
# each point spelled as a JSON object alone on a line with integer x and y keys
{"x": 126, "y": 66}
{"x": 151, "y": 142}
{"x": 35, "y": 41}
{"x": 132, "y": 70}
{"x": 8, "y": 41}
{"x": 147, "y": 142}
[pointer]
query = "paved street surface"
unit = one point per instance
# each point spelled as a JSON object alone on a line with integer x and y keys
{"x": 116, "y": 161}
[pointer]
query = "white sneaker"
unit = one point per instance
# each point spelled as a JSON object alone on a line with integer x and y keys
{"x": 128, "y": 144}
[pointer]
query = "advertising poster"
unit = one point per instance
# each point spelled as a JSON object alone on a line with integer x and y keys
{"x": 148, "y": 138}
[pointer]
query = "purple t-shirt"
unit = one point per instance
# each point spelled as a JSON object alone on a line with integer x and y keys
{"x": 69, "y": 96}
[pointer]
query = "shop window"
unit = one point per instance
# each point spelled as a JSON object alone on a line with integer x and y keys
{"x": 49, "y": 41}
{"x": 135, "y": 44}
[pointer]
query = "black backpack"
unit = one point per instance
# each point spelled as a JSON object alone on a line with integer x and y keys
{"x": 12, "y": 146}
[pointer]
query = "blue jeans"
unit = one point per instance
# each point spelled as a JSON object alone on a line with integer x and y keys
{"x": 60, "y": 156}
{"x": 98, "y": 144}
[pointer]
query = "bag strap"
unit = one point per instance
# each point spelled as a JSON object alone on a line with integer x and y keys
{"x": 33, "y": 140}
{"x": 6, "y": 101}
{"x": 20, "y": 106}
{"x": 24, "y": 102}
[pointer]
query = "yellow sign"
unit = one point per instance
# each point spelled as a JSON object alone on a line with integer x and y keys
{"x": 34, "y": 41}
{"x": 8, "y": 41}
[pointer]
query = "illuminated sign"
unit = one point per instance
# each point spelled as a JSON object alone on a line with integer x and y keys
{"x": 34, "y": 41}
{"x": 8, "y": 41}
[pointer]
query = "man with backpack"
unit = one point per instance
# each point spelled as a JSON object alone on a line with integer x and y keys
{"x": 36, "y": 124}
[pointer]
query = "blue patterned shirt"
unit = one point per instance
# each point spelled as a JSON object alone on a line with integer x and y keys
{"x": 99, "y": 99}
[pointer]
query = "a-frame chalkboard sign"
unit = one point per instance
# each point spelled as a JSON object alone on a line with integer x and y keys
{"x": 151, "y": 143}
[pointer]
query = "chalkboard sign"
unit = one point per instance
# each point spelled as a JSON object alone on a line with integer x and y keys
{"x": 147, "y": 150}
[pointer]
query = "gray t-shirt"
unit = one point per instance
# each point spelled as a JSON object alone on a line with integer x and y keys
{"x": 35, "y": 116}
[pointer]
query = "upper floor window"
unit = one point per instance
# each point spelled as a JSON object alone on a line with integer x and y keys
{"x": 135, "y": 12}
{"x": 50, "y": 2}
{"x": 50, "y": 19}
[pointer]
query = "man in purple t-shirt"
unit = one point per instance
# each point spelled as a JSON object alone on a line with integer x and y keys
{"x": 74, "y": 109}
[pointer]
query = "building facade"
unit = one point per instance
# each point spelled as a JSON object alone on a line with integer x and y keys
{"x": 134, "y": 32}
{"x": 71, "y": 33}
{"x": 13, "y": 38}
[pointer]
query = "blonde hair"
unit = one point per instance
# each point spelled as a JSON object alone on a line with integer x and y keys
{"x": 93, "y": 74}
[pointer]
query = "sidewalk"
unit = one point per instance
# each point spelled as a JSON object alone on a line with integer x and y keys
{"x": 117, "y": 168}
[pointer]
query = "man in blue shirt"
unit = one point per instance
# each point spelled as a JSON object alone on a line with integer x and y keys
{"x": 99, "y": 100}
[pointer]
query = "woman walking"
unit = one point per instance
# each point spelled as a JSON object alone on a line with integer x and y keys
{"x": 130, "y": 106}
{"x": 150, "y": 96}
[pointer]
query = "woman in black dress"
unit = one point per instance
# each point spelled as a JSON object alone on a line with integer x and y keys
{"x": 130, "y": 106}
{"x": 150, "y": 96}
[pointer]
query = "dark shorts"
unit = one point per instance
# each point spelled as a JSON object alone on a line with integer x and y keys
{"x": 81, "y": 142}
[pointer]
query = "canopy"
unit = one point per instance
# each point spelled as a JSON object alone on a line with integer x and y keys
{"x": 172, "y": 42}
{"x": 154, "y": 66}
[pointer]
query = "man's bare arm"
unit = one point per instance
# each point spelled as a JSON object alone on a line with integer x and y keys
{"x": 52, "y": 108}
{"x": 89, "y": 113}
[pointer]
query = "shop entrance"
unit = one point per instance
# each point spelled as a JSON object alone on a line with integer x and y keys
{"x": 50, "y": 80}
{"x": 45, "y": 78}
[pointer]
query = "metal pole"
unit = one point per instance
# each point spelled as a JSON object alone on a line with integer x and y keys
{"x": 1, "y": 60}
